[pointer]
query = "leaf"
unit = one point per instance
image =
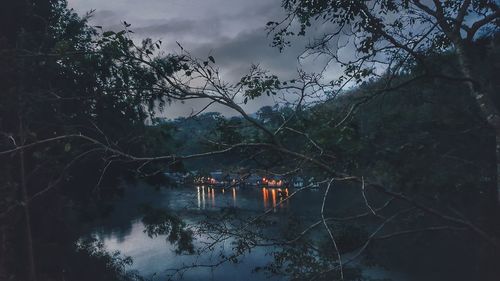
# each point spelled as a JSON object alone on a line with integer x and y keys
{"x": 180, "y": 46}
{"x": 211, "y": 59}
{"x": 67, "y": 147}
{"x": 108, "y": 33}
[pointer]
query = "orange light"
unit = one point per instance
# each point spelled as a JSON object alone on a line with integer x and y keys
{"x": 273, "y": 193}
{"x": 234, "y": 196}
{"x": 264, "y": 197}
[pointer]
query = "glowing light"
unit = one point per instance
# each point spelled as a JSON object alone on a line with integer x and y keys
{"x": 273, "y": 194}
{"x": 213, "y": 197}
{"x": 199, "y": 197}
{"x": 234, "y": 196}
{"x": 203, "y": 197}
{"x": 264, "y": 197}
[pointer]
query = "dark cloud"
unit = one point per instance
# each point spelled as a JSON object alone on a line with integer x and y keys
{"x": 235, "y": 55}
{"x": 232, "y": 31}
{"x": 179, "y": 27}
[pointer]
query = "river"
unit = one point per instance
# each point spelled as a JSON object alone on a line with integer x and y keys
{"x": 153, "y": 257}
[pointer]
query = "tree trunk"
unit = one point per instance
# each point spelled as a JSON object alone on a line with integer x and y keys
{"x": 486, "y": 105}
{"x": 26, "y": 210}
{"x": 497, "y": 138}
{"x": 3, "y": 252}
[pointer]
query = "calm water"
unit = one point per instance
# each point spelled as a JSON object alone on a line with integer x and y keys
{"x": 123, "y": 231}
{"x": 153, "y": 257}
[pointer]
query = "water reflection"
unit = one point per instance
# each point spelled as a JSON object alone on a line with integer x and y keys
{"x": 278, "y": 197}
{"x": 198, "y": 195}
{"x": 273, "y": 194}
{"x": 265, "y": 197}
{"x": 203, "y": 196}
{"x": 275, "y": 198}
{"x": 124, "y": 231}
{"x": 213, "y": 197}
{"x": 234, "y": 197}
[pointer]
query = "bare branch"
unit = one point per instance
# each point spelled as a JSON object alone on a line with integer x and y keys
{"x": 480, "y": 23}
{"x": 330, "y": 231}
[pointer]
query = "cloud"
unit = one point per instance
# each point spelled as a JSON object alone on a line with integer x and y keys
{"x": 231, "y": 31}
{"x": 178, "y": 27}
{"x": 235, "y": 55}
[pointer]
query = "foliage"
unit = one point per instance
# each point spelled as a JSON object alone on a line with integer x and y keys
{"x": 92, "y": 261}
{"x": 61, "y": 78}
{"x": 159, "y": 222}
{"x": 427, "y": 141}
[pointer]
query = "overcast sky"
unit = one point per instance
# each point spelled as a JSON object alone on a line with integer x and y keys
{"x": 233, "y": 31}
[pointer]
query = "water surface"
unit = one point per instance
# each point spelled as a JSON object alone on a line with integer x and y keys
{"x": 152, "y": 257}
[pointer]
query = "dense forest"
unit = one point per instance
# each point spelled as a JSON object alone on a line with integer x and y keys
{"x": 408, "y": 134}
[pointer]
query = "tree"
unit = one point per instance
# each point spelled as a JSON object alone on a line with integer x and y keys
{"x": 65, "y": 88}
{"x": 397, "y": 44}
{"x": 387, "y": 35}
{"x": 93, "y": 92}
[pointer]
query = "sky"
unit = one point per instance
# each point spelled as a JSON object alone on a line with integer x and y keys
{"x": 232, "y": 31}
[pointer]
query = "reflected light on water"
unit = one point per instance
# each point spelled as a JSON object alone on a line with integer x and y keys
{"x": 278, "y": 197}
{"x": 203, "y": 197}
{"x": 198, "y": 195}
{"x": 234, "y": 196}
{"x": 271, "y": 197}
{"x": 213, "y": 197}
{"x": 265, "y": 197}
{"x": 285, "y": 198}
{"x": 273, "y": 194}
